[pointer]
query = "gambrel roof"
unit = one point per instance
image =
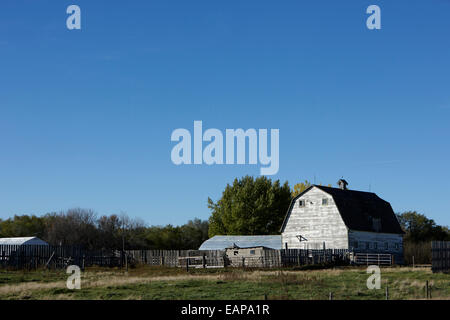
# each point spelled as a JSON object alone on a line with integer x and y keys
{"x": 358, "y": 210}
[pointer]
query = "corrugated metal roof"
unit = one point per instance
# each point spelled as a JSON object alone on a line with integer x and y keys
{"x": 22, "y": 241}
{"x": 223, "y": 242}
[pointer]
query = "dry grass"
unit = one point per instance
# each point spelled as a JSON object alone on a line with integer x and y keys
{"x": 30, "y": 286}
{"x": 95, "y": 279}
{"x": 404, "y": 283}
{"x": 426, "y": 270}
{"x": 101, "y": 278}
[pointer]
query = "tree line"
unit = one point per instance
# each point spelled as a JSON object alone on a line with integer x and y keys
{"x": 248, "y": 206}
{"x": 85, "y": 228}
{"x": 419, "y": 232}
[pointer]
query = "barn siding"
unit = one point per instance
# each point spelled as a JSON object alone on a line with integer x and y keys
{"x": 394, "y": 241}
{"x": 315, "y": 222}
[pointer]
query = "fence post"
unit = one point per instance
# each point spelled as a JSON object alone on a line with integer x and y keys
{"x": 204, "y": 261}
{"x": 331, "y": 296}
{"x": 426, "y": 289}
{"x": 387, "y": 292}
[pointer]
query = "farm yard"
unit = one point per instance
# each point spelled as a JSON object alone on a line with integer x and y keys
{"x": 39, "y": 272}
{"x": 330, "y": 261}
{"x": 162, "y": 283}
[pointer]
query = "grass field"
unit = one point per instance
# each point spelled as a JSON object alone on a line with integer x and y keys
{"x": 164, "y": 283}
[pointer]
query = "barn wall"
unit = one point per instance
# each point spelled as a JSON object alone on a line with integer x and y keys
{"x": 316, "y": 222}
{"x": 244, "y": 252}
{"x": 376, "y": 242}
{"x": 248, "y": 257}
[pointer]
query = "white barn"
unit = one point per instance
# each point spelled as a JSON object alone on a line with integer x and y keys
{"x": 338, "y": 218}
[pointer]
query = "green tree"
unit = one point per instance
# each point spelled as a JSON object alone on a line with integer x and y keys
{"x": 22, "y": 226}
{"x": 250, "y": 207}
{"x": 194, "y": 233}
{"x": 419, "y": 228}
{"x": 300, "y": 187}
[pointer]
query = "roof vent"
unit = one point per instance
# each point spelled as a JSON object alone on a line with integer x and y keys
{"x": 342, "y": 184}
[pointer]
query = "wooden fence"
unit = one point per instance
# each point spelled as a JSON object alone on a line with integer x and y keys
{"x": 218, "y": 258}
{"x": 57, "y": 257}
{"x": 440, "y": 256}
{"x": 178, "y": 258}
{"x": 299, "y": 257}
{"x": 37, "y": 256}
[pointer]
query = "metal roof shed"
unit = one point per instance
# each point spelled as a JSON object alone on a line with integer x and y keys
{"x": 23, "y": 241}
{"x": 223, "y": 242}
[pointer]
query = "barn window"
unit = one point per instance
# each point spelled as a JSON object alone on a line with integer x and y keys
{"x": 376, "y": 224}
{"x": 397, "y": 246}
{"x": 252, "y": 251}
{"x": 386, "y": 246}
{"x": 236, "y": 253}
{"x": 367, "y": 245}
{"x": 375, "y": 245}
{"x": 301, "y": 203}
{"x": 324, "y": 201}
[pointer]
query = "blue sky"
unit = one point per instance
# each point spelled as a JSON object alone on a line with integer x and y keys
{"x": 86, "y": 115}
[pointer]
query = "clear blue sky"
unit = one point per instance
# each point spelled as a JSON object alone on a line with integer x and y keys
{"x": 86, "y": 116}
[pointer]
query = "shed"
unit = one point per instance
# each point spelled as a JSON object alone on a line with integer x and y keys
{"x": 224, "y": 242}
{"x": 23, "y": 241}
{"x": 249, "y": 256}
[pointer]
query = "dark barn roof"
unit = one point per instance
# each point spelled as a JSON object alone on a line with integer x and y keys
{"x": 359, "y": 209}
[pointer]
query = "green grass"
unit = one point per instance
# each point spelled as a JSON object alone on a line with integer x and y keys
{"x": 175, "y": 283}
